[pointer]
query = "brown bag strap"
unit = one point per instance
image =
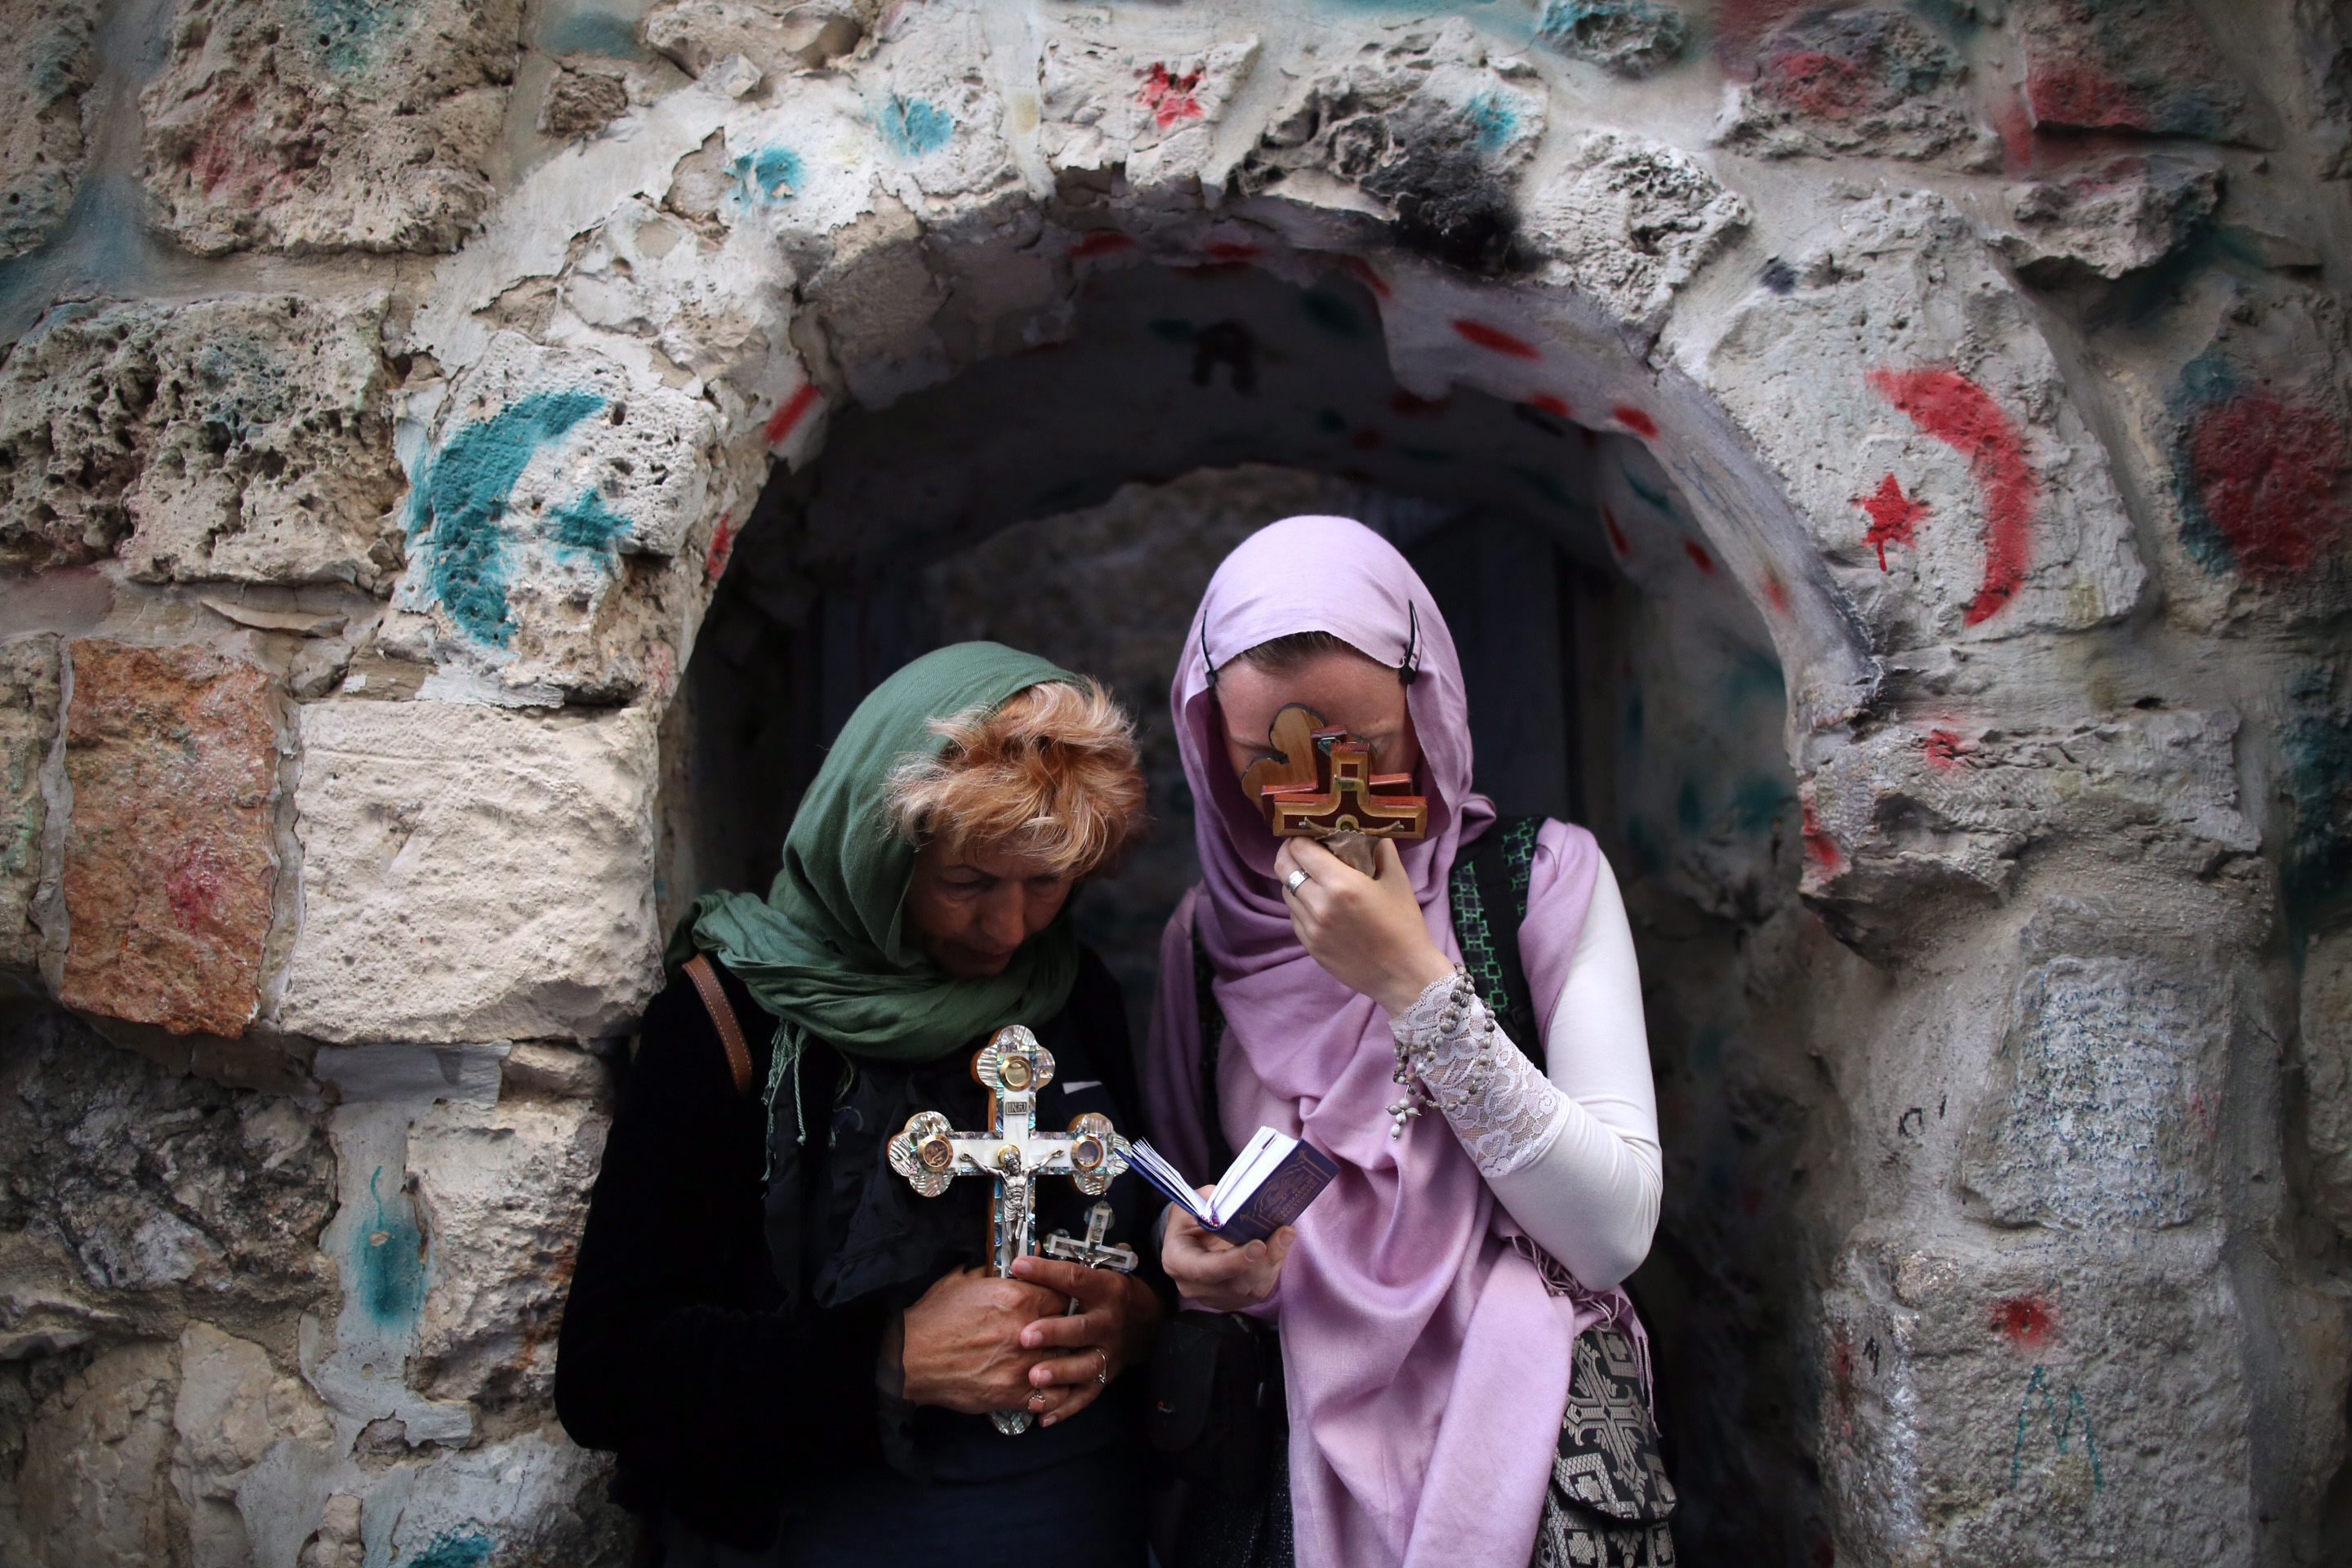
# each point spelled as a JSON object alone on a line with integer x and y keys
{"x": 705, "y": 976}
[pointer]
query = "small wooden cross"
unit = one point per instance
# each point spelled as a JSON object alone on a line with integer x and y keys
{"x": 1320, "y": 782}
{"x": 1013, "y": 1154}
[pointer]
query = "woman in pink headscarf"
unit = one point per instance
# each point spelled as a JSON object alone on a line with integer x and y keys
{"x": 1465, "y": 1380}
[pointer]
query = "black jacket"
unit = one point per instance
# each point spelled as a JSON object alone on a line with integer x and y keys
{"x": 715, "y": 1365}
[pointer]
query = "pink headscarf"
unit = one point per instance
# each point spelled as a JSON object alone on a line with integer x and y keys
{"x": 1426, "y": 1363}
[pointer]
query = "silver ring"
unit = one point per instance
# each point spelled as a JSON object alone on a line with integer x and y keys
{"x": 1295, "y": 881}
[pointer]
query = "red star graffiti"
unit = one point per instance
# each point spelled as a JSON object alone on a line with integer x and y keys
{"x": 1894, "y": 517}
{"x": 1170, "y": 96}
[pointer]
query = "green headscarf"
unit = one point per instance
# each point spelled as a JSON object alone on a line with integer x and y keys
{"x": 828, "y": 951}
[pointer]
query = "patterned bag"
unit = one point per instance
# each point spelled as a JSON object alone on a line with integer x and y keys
{"x": 1610, "y": 1497}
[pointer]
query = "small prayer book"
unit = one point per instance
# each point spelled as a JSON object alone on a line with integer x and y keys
{"x": 1268, "y": 1185}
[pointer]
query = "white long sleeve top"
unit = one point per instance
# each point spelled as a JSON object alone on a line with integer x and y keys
{"x": 1571, "y": 1150}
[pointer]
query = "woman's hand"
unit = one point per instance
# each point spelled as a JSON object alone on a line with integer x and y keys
{"x": 1117, "y": 1315}
{"x": 1366, "y": 932}
{"x": 964, "y": 1349}
{"x": 1215, "y": 1273}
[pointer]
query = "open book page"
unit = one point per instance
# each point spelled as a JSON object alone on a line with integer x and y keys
{"x": 1267, "y": 1186}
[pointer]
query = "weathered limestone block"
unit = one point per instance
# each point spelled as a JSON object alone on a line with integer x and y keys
{"x": 1423, "y": 124}
{"x": 582, "y": 104}
{"x": 289, "y": 125}
{"x": 171, "y": 864}
{"x": 504, "y": 1190}
{"x": 529, "y": 1499}
{"x": 1630, "y": 221}
{"x": 1896, "y": 384}
{"x": 247, "y": 438}
{"x": 50, "y": 64}
{"x": 472, "y": 873}
{"x": 92, "y": 1489}
{"x": 233, "y": 1405}
{"x": 2105, "y": 1109}
{"x": 2144, "y": 66}
{"x": 1626, "y": 38}
{"x": 153, "y": 1182}
{"x": 2132, "y": 213}
{"x": 771, "y": 34}
{"x": 932, "y": 113}
{"x": 1875, "y": 82}
{"x": 1107, "y": 103}
{"x": 29, "y": 726}
{"x": 1910, "y": 809}
{"x": 2328, "y": 1074}
{"x": 549, "y": 469}
{"x": 2028, "y": 1405}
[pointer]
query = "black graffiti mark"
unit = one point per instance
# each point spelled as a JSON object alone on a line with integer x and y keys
{"x": 1231, "y": 344}
{"x": 1540, "y": 420}
{"x": 1940, "y": 1101}
{"x": 1904, "y": 1125}
{"x": 1870, "y": 1349}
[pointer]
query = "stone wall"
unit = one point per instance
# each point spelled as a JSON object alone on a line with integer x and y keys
{"x": 1953, "y": 396}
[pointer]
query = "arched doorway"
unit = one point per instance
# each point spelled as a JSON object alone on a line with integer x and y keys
{"x": 1073, "y": 499}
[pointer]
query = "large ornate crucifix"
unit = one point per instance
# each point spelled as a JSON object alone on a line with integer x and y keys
{"x": 1012, "y": 1153}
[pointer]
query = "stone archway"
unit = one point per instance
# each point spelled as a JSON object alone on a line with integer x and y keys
{"x": 1999, "y": 575}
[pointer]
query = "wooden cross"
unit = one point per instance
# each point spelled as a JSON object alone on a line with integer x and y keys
{"x": 1013, "y": 1154}
{"x": 1320, "y": 782}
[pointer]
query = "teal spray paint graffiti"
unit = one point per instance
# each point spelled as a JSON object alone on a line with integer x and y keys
{"x": 456, "y": 516}
{"x": 768, "y": 176}
{"x": 389, "y": 1261}
{"x": 465, "y": 1549}
{"x": 914, "y": 128}
{"x": 2063, "y": 1424}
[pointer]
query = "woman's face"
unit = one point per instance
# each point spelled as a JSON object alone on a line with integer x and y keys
{"x": 1356, "y": 693}
{"x": 974, "y": 905}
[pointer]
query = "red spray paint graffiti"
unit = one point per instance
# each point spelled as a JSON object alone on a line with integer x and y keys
{"x": 1497, "y": 339}
{"x": 1230, "y": 251}
{"x": 1102, "y": 242}
{"x": 2267, "y": 474}
{"x": 1170, "y": 96}
{"x": 1617, "y": 540}
{"x": 1698, "y": 556}
{"x": 1819, "y": 846}
{"x": 722, "y": 546}
{"x": 1963, "y": 416}
{"x": 791, "y": 412}
{"x": 1945, "y": 748}
{"x": 1636, "y": 421}
{"x": 194, "y": 886}
{"x": 2025, "y": 1321}
{"x": 1775, "y": 591}
{"x": 1544, "y": 402}
{"x": 1894, "y": 517}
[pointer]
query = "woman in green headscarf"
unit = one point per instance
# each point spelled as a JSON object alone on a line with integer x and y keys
{"x": 794, "y": 1353}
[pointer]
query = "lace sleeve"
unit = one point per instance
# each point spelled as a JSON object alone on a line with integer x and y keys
{"x": 1451, "y": 1053}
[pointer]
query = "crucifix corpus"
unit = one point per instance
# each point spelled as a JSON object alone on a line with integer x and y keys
{"x": 1012, "y": 1153}
{"x": 1318, "y": 783}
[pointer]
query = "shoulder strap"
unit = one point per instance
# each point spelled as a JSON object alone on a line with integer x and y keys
{"x": 1489, "y": 896}
{"x": 1213, "y": 1038}
{"x": 705, "y": 975}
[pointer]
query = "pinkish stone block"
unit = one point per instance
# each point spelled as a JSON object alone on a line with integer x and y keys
{"x": 169, "y": 862}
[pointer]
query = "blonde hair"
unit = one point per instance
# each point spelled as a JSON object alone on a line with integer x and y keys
{"x": 1053, "y": 773}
